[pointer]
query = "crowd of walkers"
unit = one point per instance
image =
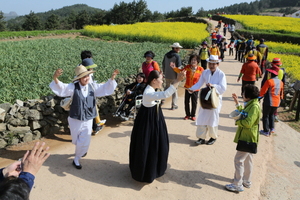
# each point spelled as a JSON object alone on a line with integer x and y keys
{"x": 254, "y": 66}
{"x": 204, "y": 81}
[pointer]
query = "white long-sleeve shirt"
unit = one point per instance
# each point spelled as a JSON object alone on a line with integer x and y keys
{"x": 66, "y": 90}
{"x": 150, "y": 95}
{"x": 210, "y": 117}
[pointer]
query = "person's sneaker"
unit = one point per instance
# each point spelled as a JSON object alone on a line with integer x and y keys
{"x": 124, "y": 118}
{"x": 200, "y": 141}
{"x": 246, "y": 184}
{"x": 97, "y": 130}
{"x": 174, "y": 107}
{"x": 193, "y": 118}
{"x": 211, "y": 141}
{"x": 272, "y": 130}
{"x": 234, "y": 188}
{"x": 186, "y": 117}
{"x": 102, "y": 122}
{"x": 276, "y": 119}
{"x": 262, "y": 132}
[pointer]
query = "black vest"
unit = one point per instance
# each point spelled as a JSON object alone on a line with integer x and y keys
{"x": 83, "y": 108}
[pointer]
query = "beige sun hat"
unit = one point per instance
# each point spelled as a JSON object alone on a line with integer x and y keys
{"x": 176, "y": 45}
{"x": 81, "y": 71}
{"x": 213, "y": 59}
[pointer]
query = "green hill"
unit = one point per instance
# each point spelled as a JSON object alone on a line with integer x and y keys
{"x": 63, "y": 13}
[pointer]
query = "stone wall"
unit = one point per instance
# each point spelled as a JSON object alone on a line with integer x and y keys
{"x": 25, "y": 121}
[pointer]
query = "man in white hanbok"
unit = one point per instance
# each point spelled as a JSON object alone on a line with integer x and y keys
{"x": 83, "y": 107}
{"x": 208, "y": 119}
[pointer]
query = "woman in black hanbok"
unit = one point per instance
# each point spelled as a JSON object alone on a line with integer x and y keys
{"x": 149, "y": 145}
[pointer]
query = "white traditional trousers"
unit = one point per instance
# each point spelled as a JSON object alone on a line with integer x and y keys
{"x": 81, "y": 135}
{"x": 202, "y": 131}
{"x": 243, "y": 167}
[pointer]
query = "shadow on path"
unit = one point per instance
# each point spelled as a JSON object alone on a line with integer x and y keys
{"x": 193, "y": 178}
{"x": 114, "y": 174}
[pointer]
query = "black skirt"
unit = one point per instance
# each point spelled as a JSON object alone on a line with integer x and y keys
{"x": 149, "y": 145}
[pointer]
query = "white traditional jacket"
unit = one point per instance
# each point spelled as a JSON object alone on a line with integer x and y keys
{"x": 210, "y": 117}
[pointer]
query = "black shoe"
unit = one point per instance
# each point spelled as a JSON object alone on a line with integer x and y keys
{"x": 84, "y": 155}
{"x": 200, "y": 141}
{"x": 77, "y": 166}
{"x": 211, "y": 141}
{"x": 97, "y": 130}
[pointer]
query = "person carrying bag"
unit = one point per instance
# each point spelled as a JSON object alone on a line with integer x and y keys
{"x": 246, "y": 137}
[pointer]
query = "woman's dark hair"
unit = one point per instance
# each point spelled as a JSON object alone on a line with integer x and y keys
{"x": 86, "y": 54}
{"x": 150, "y": 53}
{"x": 141, "y": 75}
{"x": 194, "y": 56}
{"x": 251, "y": 91}
{"x": 14, "y": 188}
{"x": 153, "y": 75}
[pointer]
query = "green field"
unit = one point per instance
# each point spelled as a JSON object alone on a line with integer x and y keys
{"x": 22, "y": 34}
{"x": 27, "y": 66}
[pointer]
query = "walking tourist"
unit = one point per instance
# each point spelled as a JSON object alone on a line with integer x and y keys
{"x": 272, "y": 92}
{"x": 169, "y": 73}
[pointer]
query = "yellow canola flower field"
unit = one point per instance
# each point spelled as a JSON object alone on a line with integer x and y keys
{"x": 188, "y": 34}
{"x": 283, "y": 47}
{"x": 289, "y": 62}
{"x": 268, "y": 23}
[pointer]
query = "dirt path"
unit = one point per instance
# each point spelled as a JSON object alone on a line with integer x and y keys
{"x": 194, "y": 172}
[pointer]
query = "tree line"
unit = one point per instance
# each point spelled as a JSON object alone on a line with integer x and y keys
{"x": 254, "y": 7}
{"x": 79, "y": 15}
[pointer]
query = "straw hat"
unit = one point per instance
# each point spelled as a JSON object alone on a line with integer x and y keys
{"x": 81, "y": 71}
{"x": 176, "y": 45}
{"x": 213, "y": 59}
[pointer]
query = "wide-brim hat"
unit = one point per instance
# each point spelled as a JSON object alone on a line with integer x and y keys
{"x": 81, "y": 71}
{"x": 276, "y": 61}
{"x": 176, "y": 45}
{"x": 274, "y": 69}
{"x": 213, "y": 59}
{"x": 88, "y": 63}
{"x": 251, "y": 57}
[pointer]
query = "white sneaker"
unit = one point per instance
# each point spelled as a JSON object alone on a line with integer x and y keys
{"x": 247, "y": 184}
{"x": 102, "y": 122}
{"x": 234, "y": 188}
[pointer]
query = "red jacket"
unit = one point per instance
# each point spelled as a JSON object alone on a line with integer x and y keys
{"x": 250, "y": 71}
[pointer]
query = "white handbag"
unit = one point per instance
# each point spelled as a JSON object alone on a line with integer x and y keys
{"x": 66, "y": 103}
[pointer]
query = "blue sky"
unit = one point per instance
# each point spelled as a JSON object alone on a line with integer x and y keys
{"x": 23, "y": 7}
